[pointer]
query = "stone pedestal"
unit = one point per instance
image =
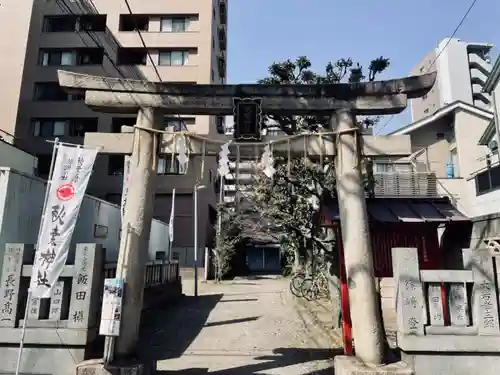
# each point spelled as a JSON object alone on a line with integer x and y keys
{"x": 344, "y": 365}
{"x": 97, "y": 367}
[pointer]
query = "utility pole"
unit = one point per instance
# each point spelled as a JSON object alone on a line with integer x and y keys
{"x": 195, "y": 265}
{"x": 134, "y": 243}
{"x": 366, "y": 323}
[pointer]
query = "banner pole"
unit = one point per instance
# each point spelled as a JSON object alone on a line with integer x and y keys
{"x": 28, "y": 299}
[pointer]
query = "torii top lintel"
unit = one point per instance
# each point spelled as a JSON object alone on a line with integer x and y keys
{"x": 109, "y": 94}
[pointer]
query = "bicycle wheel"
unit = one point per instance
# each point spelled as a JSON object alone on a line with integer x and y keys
{"x": 296, "y": 284}
{"x": 309, "y": 289}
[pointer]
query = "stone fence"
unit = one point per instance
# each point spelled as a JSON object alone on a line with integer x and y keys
{"x": 64, "y": 329}
{"x": 448, "y": 320}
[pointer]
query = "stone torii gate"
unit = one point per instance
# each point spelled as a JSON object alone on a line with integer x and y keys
{"x": 151, "y": 101}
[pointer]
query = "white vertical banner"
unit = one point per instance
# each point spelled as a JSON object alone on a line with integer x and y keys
{"x": 171, "y": 222}
{"x": 126, "y": 184}
{"x": 66, "y": 189}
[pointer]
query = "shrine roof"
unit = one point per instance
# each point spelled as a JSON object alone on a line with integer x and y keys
{"x": 404, "y": 210}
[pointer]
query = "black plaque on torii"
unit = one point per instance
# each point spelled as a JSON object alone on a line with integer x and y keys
{"x": 247, "y": 119}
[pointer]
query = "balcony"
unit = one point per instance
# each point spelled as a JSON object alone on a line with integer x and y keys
{"x": 222, "y": 38}
{"x": 221, "y": 62}
{"x": 223, "y": 12}
{"x": 406, "y": 185}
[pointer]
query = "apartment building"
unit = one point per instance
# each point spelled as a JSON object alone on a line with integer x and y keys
{"x": 462, "y": 70}
{"x": 447, "y": 144}
{"x": 175, "y": 41}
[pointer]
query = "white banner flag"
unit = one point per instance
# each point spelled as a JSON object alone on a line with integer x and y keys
{"x": 66, "y": 189}
{"x": 171, "y": 223}
{"x": 126, "y": 182}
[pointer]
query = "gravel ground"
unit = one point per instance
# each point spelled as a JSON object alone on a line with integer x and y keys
{"x": 246, "y": 326}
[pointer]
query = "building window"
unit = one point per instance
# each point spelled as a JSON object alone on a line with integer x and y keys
{"x": 70, "y": 23}
{"x": 43, "y": 165}
{"x": 54, "y": 24}
{"x": 116, "y": 165}
{"x": 92, "y": 22}
{"x": 118, "y": 122}
{"x": 114, "y": 198}
{"x": 178, "y": 124}
{"x": 81, "y": 56}
{"x": 76, "y": 127}
{"x": 132, "y": 56}
{"x": 488, "y": 180}
{"x": 51, "y": 91}
{"x": 173, "y": 58}
{"x": 169, "y": 165}
{"x": 175, "y": 24}
{"x": 133, "y": 22}
{"x": 49, "y": 127}
{"x": 391, "y": 167}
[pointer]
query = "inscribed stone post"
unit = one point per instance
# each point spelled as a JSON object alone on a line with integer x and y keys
{"x": 56, "y": 300}
{"x": 85, "y": 286}
{"x": 410, "y": 301}
{"x": 484, "y": 295}
{"x": 11, "y": 280}
{"x": 435, "y": 301}
{"x": 33, "y": 308}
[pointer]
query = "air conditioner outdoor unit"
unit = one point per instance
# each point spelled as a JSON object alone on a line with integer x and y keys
{"x": 493, "y": 145}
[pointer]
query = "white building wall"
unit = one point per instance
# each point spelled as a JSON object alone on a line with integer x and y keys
{"x": 13, "y": 157}
{"x": 21, "y": 201}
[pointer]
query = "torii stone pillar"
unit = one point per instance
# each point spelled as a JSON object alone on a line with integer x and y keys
{"x": 151, "y": 99}
{"x": 136, "y": 227}
{"x": 358, "y": 255}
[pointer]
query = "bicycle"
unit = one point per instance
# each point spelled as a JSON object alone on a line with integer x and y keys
{"x": 315, "y": 287}
{"x": 296, "y": 284}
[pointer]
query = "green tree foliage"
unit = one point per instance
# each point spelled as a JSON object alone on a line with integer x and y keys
{"x": 292, "y": 198}
{"x": 300, "y": 72}
{"x": 229, "y": 236}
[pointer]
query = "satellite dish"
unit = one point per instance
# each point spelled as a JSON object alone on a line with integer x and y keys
{"x": 493, "y": 145}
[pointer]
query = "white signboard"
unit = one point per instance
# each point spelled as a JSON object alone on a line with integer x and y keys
{"x": 66, "y": 189}
{"x": 126, "y": 184}
{"x": 111, "y": 307}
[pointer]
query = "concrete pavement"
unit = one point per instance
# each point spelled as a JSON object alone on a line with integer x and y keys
{"x": 245, "y": 326}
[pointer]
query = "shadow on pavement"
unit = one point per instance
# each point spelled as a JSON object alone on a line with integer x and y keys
{"x": 283, "y": 357}
{"x": 232, "y": 321}
{"x": 167, "y": 333}
{"x": 239, "y": 300}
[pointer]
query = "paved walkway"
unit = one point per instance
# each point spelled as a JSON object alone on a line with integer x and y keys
{"x": 246, "y": 326}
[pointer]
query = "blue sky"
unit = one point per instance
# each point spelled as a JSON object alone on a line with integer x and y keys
{"x": 261, "y": 32}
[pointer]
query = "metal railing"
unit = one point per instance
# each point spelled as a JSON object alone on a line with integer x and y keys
{"x": 157, "y": 272}
{"x": 405, "y": 185}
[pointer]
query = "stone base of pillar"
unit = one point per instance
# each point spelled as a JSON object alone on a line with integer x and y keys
{"x": 97, "y": 367}
{"x": 344, "y": 365}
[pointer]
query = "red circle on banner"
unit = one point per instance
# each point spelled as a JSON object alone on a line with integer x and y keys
{"x": 65, "y": 192}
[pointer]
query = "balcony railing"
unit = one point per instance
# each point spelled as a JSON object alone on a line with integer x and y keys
{"x": 405, "y": 185}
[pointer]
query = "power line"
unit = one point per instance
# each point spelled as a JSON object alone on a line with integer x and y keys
{"x": 143, "y": 42}
{"x": 181, "y": 120}
{"x": 65, "y": 7}
{"x": 439, "y": 53}
{"x": 60, "y": 4}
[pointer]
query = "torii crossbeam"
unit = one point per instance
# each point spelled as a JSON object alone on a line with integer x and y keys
{"x": 339, "y": 101}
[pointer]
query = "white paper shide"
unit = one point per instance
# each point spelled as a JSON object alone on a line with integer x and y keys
{"x": 66, "y": 189}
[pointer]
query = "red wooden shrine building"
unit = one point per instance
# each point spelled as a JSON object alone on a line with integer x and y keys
{"x": 401, "y": 222}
